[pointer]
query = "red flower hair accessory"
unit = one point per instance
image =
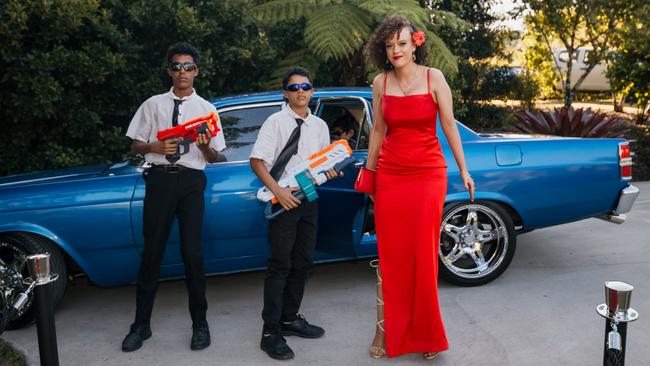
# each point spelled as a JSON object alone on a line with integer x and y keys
{"x": 418, "y": 38}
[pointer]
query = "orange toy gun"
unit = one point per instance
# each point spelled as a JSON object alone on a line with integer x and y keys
{"x": 307, "y": 175}
{"x": 190, "y": 131}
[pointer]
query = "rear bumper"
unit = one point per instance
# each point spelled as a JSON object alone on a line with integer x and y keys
{"x": 626, "y": 199}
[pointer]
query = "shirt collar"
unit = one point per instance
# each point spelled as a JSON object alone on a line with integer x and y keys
{"x": 295, "y": 115}
{"x": 173, "y": 96}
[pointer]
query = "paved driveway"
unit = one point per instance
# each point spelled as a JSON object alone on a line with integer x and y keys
{"x": 540, "y": 312}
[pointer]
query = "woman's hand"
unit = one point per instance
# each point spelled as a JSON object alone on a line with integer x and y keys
{"x": 468, "y": 183}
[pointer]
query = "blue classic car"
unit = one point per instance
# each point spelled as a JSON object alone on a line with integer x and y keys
{"x": 89, "y": 218}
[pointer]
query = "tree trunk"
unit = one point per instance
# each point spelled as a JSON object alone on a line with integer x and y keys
{"x": 618, "y": 104}
{"x": 568, "y": 91}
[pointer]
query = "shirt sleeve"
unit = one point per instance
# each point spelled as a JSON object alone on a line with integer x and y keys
{"x": 140, "y": 126}
{"x": 218, "y": 143}
{"x": 266, "y": 142}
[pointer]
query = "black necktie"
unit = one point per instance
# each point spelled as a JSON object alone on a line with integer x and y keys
{"x": 174, "y": 158}
{"x": 177, "y": 103}
{"x": 289, "y": 150}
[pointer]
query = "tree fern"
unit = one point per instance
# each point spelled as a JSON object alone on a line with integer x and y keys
{"x": 336, "y": 32}
{"x": 409, "y": 9}
{"x": 302, "y": 58}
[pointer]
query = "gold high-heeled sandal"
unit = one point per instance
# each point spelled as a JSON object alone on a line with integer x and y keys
{"x": 430, "y": 355}
{"x": 375, "y": 351}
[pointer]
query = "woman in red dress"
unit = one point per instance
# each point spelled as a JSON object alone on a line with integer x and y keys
{"x": 411, "y": 183}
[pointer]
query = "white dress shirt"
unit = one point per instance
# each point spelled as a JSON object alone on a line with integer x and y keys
{"x": 155, "y": 114}
{"x": 275, "y": 133}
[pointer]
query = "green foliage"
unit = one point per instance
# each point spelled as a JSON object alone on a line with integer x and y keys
{"x": 640, "y": 138}
{"x": 629, "y": 71}
{"x": 476, "y": 43}
{"x": 485, "y": 117}
{"x": 9, "y": 356}
{"x": 337, "y": 30}
{"x": 571, "y": 122}
{"x": 57, "y": 56}
{"x": 76, "y": 71}
{"x": 540, "y": 64}
{"x": 575, "y": 24}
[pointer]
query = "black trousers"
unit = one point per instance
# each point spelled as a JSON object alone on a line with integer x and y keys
{"x": 170, "y": 195}
{"x": 292, "y": 239}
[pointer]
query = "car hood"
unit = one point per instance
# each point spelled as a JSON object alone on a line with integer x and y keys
{"x": 51, "y": 175}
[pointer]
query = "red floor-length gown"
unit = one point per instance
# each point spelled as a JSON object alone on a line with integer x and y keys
{"x": 411, "y": 188}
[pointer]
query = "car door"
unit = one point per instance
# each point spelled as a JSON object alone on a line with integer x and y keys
{"x": 343, "y": 210}
{"x": 235, "y": 230}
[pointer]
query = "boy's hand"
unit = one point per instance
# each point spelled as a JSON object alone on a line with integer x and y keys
{"x": 331, "y": 174}
{"x": 286, "y": 198}
{"x": 203, "y": 140}
{"x": 166, "y": 147}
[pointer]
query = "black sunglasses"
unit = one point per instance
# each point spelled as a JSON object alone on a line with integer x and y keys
{"x": 187, "y": 66}
{"x": 296, "y": 87}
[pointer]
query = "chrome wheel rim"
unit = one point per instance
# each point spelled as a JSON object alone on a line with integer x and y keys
{"x": 13, "y": 272}
{"x": 473, "y": 241}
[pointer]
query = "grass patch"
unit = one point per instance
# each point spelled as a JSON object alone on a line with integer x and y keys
{"x": 9, "y": 356}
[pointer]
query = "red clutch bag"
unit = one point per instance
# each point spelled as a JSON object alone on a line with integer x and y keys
{"x": 365, "y": 182}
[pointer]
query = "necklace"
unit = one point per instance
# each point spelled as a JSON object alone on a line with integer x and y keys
{"x": 399, "y": 83}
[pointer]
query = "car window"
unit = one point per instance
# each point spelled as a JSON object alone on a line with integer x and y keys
{"x": 240, "y": 129}
{"x": 349, "y": 113}
{"x": 587, "y": 57}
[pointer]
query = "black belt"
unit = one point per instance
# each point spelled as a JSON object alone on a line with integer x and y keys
{"x": 168, "y": 168}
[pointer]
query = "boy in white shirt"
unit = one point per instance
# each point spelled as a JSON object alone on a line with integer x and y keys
{"x": 287, "y": 138}
{"x": 174, "y": 188}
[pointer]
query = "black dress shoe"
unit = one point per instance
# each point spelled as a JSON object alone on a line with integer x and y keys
{"x": 276, "y": 347}
{"x": 136, "y": 337}
{"x": 200, "y": 337}
{"x": 301, "y": 328}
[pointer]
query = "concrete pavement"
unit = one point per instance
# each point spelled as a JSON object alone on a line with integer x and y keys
{"x": 540, "y": 312}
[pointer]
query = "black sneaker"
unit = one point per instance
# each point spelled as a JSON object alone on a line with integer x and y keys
{"x": 276, "y": 346}
{"x": 301, "y": 328}
{"x": 136, "y": 337}
{"x": 200, "y": 337}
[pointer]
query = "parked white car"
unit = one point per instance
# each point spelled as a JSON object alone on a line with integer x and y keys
{"x": 596, "y": 80}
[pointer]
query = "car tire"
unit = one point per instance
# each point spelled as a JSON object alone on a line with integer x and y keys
{"x": 14, "y": 248}
{"x": 477, "y": 242}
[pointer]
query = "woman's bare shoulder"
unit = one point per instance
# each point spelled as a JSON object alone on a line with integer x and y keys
{"x": 378, "y": 82}
{"x": 436, "y": 75}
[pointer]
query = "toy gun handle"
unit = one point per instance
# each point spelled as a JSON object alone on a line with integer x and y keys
{"x": 273, "y": 210}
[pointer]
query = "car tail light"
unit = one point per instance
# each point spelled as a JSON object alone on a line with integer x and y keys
{"x": 625, "y": 160}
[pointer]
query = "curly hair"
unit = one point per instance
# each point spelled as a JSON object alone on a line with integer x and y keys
{"x": 390, "y": 27}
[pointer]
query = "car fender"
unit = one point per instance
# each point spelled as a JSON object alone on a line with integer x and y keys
{"x": 65, "y": 247}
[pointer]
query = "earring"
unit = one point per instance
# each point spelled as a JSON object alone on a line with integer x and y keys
{"x": 414, "y": 59}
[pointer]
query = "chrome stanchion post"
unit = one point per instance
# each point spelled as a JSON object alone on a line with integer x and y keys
{"x": 39, "y": 268}
{"x": 617, "y": 313}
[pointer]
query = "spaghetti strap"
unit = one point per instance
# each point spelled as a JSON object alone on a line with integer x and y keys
{"x": 385, "y": 77}
{"x": 428, "y": 83}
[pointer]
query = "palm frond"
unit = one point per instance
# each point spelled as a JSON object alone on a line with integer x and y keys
{"x": 302, "y": 58}
{"x": 336, "y": 32}
{"x": 447, "y": 19}
{"x": 410, "y": 9}
{"x": 279, "y": 10}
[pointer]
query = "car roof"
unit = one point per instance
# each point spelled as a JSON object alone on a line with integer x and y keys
{"x": 272, "y": 96}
